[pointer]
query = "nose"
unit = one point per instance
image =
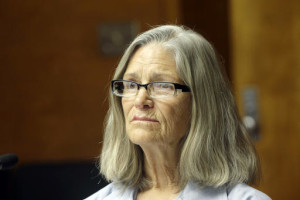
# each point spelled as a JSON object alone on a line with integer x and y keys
{"x": 143, "y": 100}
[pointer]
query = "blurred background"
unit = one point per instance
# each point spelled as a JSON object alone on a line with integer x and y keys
{"x": 57, "y": 58}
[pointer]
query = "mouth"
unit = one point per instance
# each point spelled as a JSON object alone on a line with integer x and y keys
{"x": 143, "y": 119}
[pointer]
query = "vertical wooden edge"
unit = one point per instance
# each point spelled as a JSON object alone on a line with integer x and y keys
{"x": 173, "y": 12}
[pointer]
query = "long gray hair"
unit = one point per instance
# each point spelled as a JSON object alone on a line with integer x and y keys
{"x": 217, "y": 150}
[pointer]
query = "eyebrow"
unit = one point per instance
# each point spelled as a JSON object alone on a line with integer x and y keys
{"x": 155, "y": 76}
{"x": 131, "y": 75}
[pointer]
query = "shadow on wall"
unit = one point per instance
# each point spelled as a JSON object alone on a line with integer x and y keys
{"x": 59, "y": 181}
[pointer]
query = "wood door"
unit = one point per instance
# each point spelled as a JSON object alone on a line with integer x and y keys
{"x": 53, "y": 78}
{"x": 265, "y": 38}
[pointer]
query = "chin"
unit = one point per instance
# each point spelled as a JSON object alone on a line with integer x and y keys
{"x": 139, "y": 137}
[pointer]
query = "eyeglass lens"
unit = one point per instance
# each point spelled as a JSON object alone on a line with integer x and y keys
{"x": 155, "y": 89}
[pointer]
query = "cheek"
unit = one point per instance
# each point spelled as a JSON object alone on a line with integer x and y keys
{"x": 180, "y": 117}
{"x": 177, "y": 117}
{"x": 126, "y": 106}
{"x": 185, "y": 113}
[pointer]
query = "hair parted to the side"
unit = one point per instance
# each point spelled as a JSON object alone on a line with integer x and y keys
{"x": 217, "y": 150}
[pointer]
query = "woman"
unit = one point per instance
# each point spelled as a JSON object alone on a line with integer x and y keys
{"x": 172, "y": 129}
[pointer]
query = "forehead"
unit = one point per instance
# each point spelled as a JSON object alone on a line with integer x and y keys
{"x": 152, "y": 59}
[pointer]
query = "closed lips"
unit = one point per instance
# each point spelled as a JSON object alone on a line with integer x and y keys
{"x": 135, "y": 118}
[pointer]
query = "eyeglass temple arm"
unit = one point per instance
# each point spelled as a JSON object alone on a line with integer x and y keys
{"x": 183, "y": 88}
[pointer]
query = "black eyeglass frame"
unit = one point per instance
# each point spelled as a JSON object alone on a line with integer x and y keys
{"x": 183, "y": 88}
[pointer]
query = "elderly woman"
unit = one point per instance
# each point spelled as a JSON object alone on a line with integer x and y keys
{"x": 172, "y": 129}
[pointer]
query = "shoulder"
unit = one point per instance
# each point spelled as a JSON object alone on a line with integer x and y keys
{"x": 193, "y": 191}
{"x": 101, "y": 194}
{"x": 245, "y": 192}
{"x": 112, "y": 192}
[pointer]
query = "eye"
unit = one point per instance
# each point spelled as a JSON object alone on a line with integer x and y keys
{"x": 130, "y": 85}
{"x": 164, "y": 86}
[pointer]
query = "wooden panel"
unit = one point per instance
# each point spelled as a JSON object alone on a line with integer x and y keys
{"x": 210, "y": 18}
{"x": 53, "y": 81}
{"x": 265, "y": 54}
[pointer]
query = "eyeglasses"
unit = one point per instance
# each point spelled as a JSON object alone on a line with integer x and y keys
{"x": 123, "y": 88}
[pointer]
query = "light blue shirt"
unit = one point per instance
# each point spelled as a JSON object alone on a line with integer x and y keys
{"x": 191, "y": 192}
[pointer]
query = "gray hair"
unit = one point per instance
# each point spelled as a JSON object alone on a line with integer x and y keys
{"x": 217, "y": 150}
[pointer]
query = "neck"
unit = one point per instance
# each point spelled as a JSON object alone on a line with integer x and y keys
{"x": 161, "y": 166}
